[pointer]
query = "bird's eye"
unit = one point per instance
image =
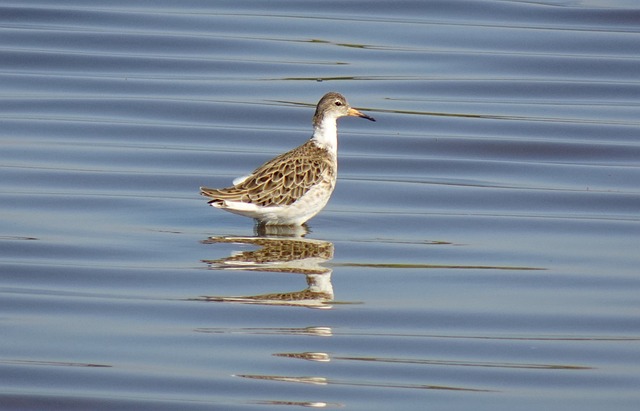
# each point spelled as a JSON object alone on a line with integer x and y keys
{"x": 338, "y": 103}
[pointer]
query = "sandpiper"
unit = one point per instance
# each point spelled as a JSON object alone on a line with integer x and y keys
{"x": 294, "y": 186}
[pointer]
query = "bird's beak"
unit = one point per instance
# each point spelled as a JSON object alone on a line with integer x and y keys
{"x": 356, "y": 113}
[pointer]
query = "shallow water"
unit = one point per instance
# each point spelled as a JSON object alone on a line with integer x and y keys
{"x": 480, "y": 250}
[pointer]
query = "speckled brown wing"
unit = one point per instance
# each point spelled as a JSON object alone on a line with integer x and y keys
{"x": 282, "y": 180}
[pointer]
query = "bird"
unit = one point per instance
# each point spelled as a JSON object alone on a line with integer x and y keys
{"x": 293, "y": 187}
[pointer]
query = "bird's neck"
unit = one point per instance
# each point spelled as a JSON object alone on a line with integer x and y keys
{"x": 325, "y": 134}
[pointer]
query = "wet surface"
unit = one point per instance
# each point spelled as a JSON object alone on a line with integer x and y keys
{"x": 480, "y": 250}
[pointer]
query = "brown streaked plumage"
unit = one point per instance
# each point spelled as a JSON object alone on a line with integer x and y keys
{"x": 282, "y": 180}
{"x": 296, "y": 185}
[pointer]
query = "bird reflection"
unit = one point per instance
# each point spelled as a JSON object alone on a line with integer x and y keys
{"x": 281, "y": 250}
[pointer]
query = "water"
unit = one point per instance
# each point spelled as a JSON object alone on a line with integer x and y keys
{"x": 480, "y": 250}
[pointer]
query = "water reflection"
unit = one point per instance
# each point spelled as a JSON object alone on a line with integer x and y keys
{"x": 310, "y": 404}
{"x": 357, "y": 383}
{"x": 325, "y": 357}
{"x": 281, "y": 250}
{"x": 305, "y": 331}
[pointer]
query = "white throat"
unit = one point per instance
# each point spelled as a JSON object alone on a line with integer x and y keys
{"x": 325, "y": 134}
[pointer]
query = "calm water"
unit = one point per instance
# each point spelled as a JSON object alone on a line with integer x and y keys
{"x": 481, "y": 250}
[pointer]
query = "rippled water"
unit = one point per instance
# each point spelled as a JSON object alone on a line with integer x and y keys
{"x": 480, "y": 251}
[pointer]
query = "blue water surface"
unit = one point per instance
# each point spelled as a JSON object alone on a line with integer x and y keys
{"x": 480, "y": 250}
